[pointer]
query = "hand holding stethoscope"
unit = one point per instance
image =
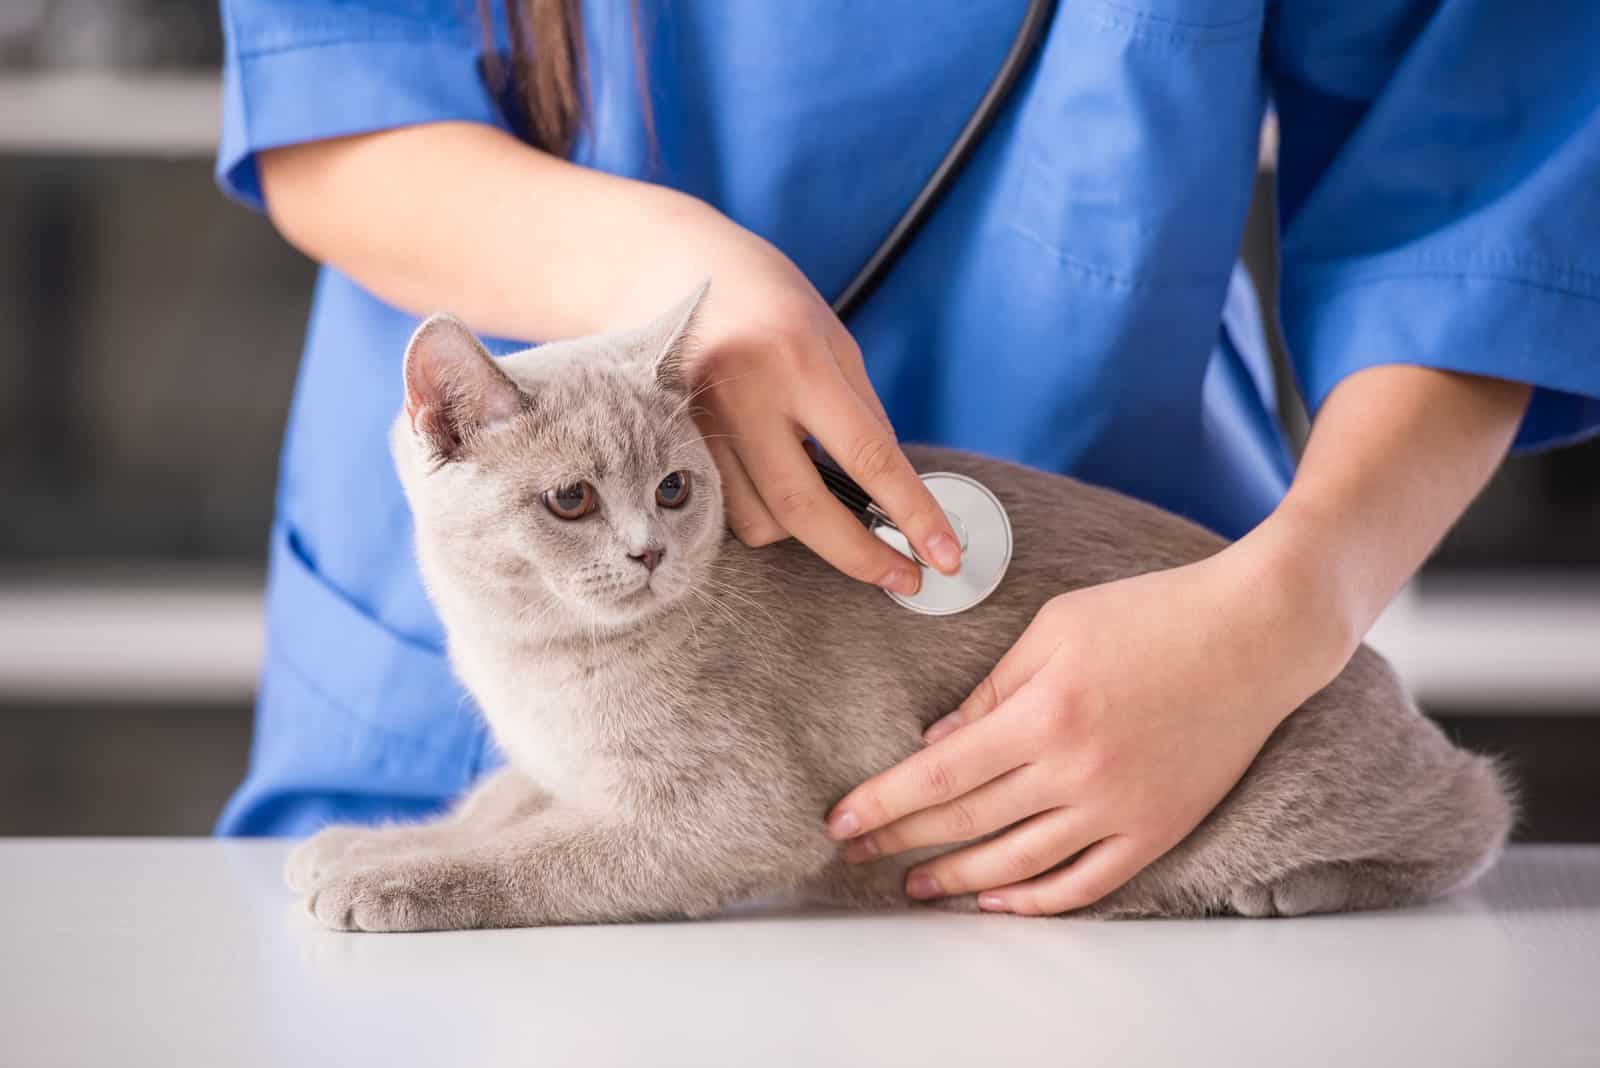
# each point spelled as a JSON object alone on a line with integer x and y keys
{"x": 948, "y": 538}
{"x": 974, "y": 514}
{"x": 773, "y": 366}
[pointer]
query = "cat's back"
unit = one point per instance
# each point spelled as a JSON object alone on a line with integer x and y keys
{"x": 1067, "y": 533}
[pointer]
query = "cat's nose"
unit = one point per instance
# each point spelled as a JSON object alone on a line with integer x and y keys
{"x": 649, "y": 558}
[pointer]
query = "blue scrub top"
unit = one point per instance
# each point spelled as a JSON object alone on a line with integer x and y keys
{"x": 1075, "y": 304}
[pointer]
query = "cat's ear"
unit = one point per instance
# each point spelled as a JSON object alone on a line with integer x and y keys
{"x": 453, "y": 388}
{"x": 670, "y": 339}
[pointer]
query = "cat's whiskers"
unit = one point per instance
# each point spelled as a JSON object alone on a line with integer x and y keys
{"x": 688, "y": 443}
{"x": 727, "y": 611}
{"x": 697, "y": 391}
{"x": 594, "y": 632}
{"x": 733, "y": 620}
{"x": 689, "y": 618}
{"x": 728, "y": 589}
{"x": 523, "y": 619}
{"x": 690, "y": 440}
{"x": 765, "y": 566}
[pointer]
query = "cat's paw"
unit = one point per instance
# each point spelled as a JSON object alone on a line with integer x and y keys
{"x": 389, "y": 897}
{"x": 315, "y": 859}
{"x": 1322, "y": 888}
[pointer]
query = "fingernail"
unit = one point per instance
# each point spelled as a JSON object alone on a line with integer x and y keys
{"x": 902, "y": 581}
{"x": 843, "y": 825}
{"x": 922, "y": 886}
{"x": 992, "y": 903}
{"x": 942, "y": 727}
{"x": 944, "y": 552}
{"x": 861, "y": 850}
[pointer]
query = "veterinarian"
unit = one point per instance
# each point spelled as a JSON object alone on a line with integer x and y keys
{"x": 1074, "y": 304}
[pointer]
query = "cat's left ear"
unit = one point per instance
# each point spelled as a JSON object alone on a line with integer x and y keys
{"x": 454, "y": 390}
{"x": 670, "y": 338}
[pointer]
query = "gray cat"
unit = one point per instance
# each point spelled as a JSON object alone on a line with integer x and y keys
{"x": 679, "y": 712}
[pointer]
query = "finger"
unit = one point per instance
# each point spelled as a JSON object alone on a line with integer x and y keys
{"x": 747, "y": 516}
{"x": 847, "y": 354}
{"x": 793, "y": 493}
{"x": 868, "y": 452}
{"x": 1014, "y": 796}
{"x": 1101, "y": 869}
{"x": 934, "y": 776}
{"x": 1020, "y": 663}
{"x": 1037, "y": 845}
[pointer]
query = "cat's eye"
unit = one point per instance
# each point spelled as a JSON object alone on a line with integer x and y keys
{"x": 570, "y": 502}
{"x": 673, "y": 491}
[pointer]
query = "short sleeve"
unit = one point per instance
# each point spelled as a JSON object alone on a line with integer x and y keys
{"x": 1439, "y": 192}
{"x": 305, "y": 70}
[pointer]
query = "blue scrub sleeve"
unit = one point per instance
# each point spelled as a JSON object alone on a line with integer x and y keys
{"x": 1439, "y": 191}
{"x": 306, "y": 70}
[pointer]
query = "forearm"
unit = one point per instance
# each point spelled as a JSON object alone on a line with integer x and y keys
{"x": 1395, "y": 456}
{"x": 465, "y": 218}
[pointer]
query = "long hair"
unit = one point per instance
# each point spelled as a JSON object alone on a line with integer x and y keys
{"x": 552, "y": 85}
{"x": 549, "y": 68}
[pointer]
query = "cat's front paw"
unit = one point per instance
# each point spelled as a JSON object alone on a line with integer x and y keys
{"x": 315, "y": 859}
{"x": 406, "y": 896}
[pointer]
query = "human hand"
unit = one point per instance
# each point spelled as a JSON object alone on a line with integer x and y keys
{"x": 772, "y": 364}
{"x": 1118, "y": 720}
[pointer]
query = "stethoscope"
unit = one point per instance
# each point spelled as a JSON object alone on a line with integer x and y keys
{"x": 976, "y": 515}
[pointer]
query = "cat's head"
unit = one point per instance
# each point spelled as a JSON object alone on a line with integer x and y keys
{"x": 566, "y": 486}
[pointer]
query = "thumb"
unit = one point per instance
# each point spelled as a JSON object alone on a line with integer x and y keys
{"x": 1021, "y": 662}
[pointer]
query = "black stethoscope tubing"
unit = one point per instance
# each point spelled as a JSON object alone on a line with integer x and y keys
{"x": 1024, "y": 46}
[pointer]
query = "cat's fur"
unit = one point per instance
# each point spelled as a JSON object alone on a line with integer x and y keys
{"x": 674, "y": 747}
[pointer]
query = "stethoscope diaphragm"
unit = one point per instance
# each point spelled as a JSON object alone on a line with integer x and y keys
{"x": 984, "y": 531}
{"x": 976, "y": 516}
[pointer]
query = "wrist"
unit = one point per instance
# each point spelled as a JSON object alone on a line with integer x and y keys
{"x": 654, "y": 253}
{"x": 1306, "y": 586}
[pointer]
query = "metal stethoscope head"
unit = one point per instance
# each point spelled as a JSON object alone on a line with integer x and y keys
{"x": 978, "y": 519}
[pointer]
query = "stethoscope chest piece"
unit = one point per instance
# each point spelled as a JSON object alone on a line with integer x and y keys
{"x": 984, "y": 531}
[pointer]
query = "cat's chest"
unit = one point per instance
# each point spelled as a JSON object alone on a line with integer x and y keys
{"x": 581, "y": 734}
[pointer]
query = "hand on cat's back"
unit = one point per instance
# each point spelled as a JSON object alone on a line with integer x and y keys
{"x": 1113, "y": 726}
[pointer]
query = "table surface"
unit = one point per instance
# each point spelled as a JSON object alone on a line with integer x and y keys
{"x": 178, "y": 952}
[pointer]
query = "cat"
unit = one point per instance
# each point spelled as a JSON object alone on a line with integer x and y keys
{"x": 679, "y": 712}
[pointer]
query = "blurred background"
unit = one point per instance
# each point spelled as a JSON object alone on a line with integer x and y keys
{"x": 149, "y": 333}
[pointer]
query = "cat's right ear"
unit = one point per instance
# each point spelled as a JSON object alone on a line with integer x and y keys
{"x": 670, "y": 339}
{"x": 454, "y": 391}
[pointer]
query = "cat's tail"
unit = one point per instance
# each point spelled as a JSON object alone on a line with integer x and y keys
{"x": 1478, "y": 812}
{"x": 1456, "y": 838}
{"x": 1456, "y": 833}
{"x": 1445, "y": 825}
